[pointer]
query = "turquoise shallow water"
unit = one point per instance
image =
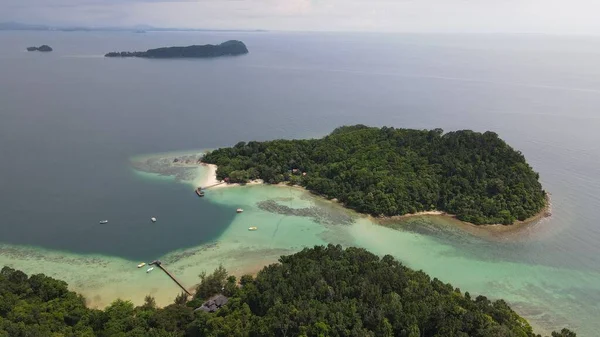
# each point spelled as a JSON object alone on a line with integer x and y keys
{"x": 289, "y": 219}
{"x": 72, "y": 127}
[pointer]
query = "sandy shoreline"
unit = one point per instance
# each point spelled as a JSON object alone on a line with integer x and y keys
{"x": 211, "y": 179}
{"x": 485, "y": 231}
{"x": 101, "y": 279}
{"x": 488, "y": 230}
{"x": 211, "y": 175}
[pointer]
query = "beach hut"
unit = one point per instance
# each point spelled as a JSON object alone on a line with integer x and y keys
{"x": 214, "y": 303}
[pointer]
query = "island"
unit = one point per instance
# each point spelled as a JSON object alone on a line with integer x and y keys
{"x": 228, "y": 48}
{"x": 388, "y": 172}
{"x": 321, "y": 291}
{"x": 42, "y": 48}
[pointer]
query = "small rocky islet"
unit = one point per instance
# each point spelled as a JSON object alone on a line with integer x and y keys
{"x": 228, "y": 48}
{"x": 42, "y": 48}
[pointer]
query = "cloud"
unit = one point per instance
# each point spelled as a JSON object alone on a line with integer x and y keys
{"x": 540, "y": 16}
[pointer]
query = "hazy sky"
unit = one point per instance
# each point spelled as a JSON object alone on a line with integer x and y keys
{"x": 530, "y": 16}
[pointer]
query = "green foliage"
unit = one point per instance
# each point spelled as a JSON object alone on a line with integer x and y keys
{"x": 181, "y": 299}
{"x": 246, "y": 279}
{"x": 39, "y": 306}
{"x": 211, "y": 284}
{"x": 564, "y": 333}
{"x": 149, "y": 302}
{"x": 387, "y": 171}
{"x": 319, "y": 292}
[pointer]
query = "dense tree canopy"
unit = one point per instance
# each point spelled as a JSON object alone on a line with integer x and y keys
{"x": 320, "y": 292}
{"x": 387, "y": 171}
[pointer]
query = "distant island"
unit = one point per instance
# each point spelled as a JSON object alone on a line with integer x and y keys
{"x": 390, "y": 172}
{"x": 42, "y": 48}
{"x": 229, "y": 48}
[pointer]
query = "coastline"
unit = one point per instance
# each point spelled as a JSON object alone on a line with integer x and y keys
{"x": 485, "y": 230}
{"x": 210, "y": 179}
{"x": 244, "y": 252}
{"x": 211, "y": 176}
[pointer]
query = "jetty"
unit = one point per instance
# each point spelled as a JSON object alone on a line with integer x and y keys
{"x": 213, "y": 185}
{"x": 159, "y": 265}
{"x": 200, "y": 189}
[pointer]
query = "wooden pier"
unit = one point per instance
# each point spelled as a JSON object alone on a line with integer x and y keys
{"x": 213, "y": 185}
{"x": 200, "y": 190}
{"x": 159, "y": 265}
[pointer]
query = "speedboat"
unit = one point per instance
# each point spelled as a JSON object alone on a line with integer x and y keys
{"x": 141, "y": 264}
{"x": 239, "y": 210}
{"x": 153, "y": 219}
{"x": 102, "y": 222}
{"x": 149, "y": 269}
{"x": 253, "y": 228}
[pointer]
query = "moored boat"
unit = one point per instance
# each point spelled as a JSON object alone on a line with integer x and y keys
{"x": 200, "y": 192}
{"x": 239, "y": 210}
{"x": 149, "y": 269}
{"x": 253, "y": 228}
{"x": 153, "y": 219}
{"x": 102, "y": 222}
{"x": 141, "y": 264}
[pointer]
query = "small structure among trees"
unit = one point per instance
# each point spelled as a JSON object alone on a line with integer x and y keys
{"x": 214, "y": 303}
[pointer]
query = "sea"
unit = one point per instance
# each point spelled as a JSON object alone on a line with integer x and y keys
{"x": 85, "y": 138}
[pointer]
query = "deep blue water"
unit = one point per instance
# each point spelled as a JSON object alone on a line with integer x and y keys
{"x": 71, "y": 119}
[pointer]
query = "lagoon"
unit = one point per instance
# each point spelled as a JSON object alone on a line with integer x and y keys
{"x": 73, "y": 122}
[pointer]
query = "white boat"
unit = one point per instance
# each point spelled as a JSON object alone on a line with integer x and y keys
{"x": 149, "y": 269}
{"x": 141, "y": 264}
{"x": 102, "y": 222}
{"x": 239, "y": 210}
{"x": 153, "y": 219}
{"x": 253, "y": 228}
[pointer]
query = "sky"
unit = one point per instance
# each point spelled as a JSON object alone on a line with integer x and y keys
{"x": 451, "y": 16}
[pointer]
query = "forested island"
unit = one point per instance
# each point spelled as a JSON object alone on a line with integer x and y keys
{"x": 42, "y": 48}
{"x": 320, "y": 292}
{"x": 388, "y": 172}
{"x": 228, "y": 48}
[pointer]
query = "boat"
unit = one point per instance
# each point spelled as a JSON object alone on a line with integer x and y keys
{"x": 149, "y": 269}
{"x": 102, "y": 222}
{"x": 253, "y": 228}
{"x": 153, "y": 219}
{"x": 239, "y": 210}
{"x": 200, "y": 192}
{"x": 141, "y": 264}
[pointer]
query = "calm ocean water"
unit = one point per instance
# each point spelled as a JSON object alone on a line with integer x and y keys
{"x": 71, "y": 120}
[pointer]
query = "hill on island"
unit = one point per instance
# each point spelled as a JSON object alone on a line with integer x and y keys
{"x": 324, "y": 291}
{"x": 387, "y": 171}
{"x": 228, "y": 48}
